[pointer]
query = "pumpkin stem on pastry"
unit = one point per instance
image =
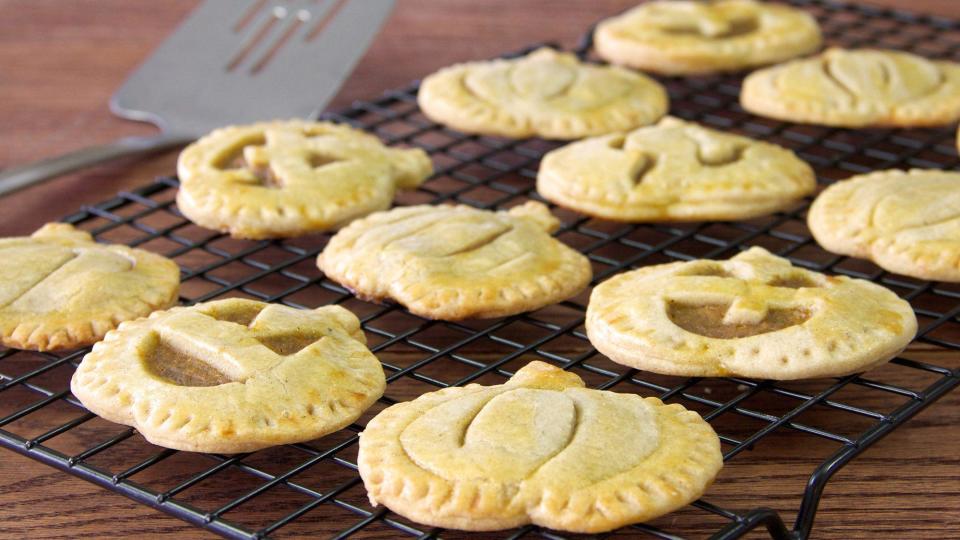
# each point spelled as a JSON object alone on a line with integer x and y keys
{"x": 545, "y": 376}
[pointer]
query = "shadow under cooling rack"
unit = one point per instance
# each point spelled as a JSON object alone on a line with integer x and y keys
{"x": 769, "y": 430}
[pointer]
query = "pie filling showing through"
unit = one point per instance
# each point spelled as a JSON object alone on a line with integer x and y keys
{"x": 712, "y": 29}
{"x": 183, "y": 369}
{"x": 708, "y": 320}
{"x": 246, "y": 157}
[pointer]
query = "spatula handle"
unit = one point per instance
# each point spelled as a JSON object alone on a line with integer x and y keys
{"x": 16, "y": 178}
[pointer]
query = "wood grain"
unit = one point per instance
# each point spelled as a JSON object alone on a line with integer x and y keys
{"x": 61, "y": 61}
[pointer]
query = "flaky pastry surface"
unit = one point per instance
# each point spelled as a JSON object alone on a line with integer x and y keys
{"x": 232, "y": 375}
{"x": 457, "y": 262}
{"x": 857, "y": 88}
{"x": 675, "y": 170}
{"x": 754, "y": 315}
{"x": 545, "y": 94}
{"x": 906, "y": 222}
{"x": 694, "y": 37}
{"x": 61, "y": 290}
{"x": 289, "y": 178}
{"x": 538, "y": 449}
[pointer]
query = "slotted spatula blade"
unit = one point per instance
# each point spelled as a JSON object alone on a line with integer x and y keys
{"x": 236, "y": 62}
{"x": 231, "y": 62}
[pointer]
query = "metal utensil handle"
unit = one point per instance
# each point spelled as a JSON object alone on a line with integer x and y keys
{"x": 16, "y": 178}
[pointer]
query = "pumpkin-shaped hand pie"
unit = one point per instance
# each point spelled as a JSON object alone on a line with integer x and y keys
{"x": 675, "y": 170}
{"x": 857, "y": 88}
{"x": 61, "y": 290}
{"x": 539, "y": 449}
{"x": 457, "y": 262}
{"x": 232, "y": 375}
{"x": 281, "y": 179}
{"x": 906, "y": 222}
{"x": 687, "y": 37}
{"x": 545, "y": 93}
{"x": 754, "y": 315}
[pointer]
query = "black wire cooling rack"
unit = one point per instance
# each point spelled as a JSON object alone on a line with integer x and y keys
{"x": 313, "y": 488}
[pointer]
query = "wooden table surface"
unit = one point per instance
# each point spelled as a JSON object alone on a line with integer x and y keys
{"x": 59, "y": 63}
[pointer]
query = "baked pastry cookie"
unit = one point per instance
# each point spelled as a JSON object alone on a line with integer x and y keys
{"x": 688, "y": 37}
{"x": 232, "y": 375}
{"x": 539, "y": 449}
{"x": 545, "y": 94}
{"x": 61, "y": 290}
{"x": 754, "y": 315}
{"x": 457, "y": 262}
{"x": 675, "y": 170}
{"x": 907, "y": 222}
{"x": 857, "y": 88}
{"x": 281, "y": 179}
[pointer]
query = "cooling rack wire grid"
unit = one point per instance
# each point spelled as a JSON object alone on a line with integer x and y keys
{"x": 313, "y": 488}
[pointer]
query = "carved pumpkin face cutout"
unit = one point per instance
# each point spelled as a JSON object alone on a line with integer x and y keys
{"x": 545, "y": 93}
{"x": 539, "y": 449}
{"x": 232, "y": 375}
{"x": 279, "y": 179}
{"x": 693, "y": 37}
{"x": 675, "y": 170}
{"x": 857, "y": 88}
{"x": 754, "y": 315}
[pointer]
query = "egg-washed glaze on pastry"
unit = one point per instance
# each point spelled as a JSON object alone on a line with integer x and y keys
{"x": 545, "y": 94}
{"x": 906, "y": 222}
{"x": 232, "y": 375}
{"x": 693, "y": 37}
{"x": 289, "y": 178}
{"x": 674, "y": 170}
{"x": 61, "y": 290}
{"x": 857, "y": 88}
{"x": 457, "y": 262}
{"x": 755, "y": 315}
{"x": 538, "y": 449}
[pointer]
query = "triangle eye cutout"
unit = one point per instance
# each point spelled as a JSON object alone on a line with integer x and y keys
{"x": 709, "y": 270}
{"x": 282, "y": 344}
{"x": 794, "y": 281}
{"x": 234, "y": 158}
{"x": 318, "y": 160}
{"x": 285, "y": 345}
{"x": 242, "y": 315}
{"x": 182, "y": 369}
{"x": 238, "y": 160}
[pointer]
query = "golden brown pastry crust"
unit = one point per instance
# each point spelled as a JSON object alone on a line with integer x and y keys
{"x": 674, "y": 170}
{"x": 539, "y": 449}
{"x": 754, "y": 315}
{"x": 289, "y": 178}
{"x": 61, "y": 290}
{"x": 232, "y": 375}
{"x": 545, "y": 94}
{"x": 457, "y": 262}
{"x": 694, "y": 37}
{"x": 857, "y": 88}
{"x": 906, "y": 222}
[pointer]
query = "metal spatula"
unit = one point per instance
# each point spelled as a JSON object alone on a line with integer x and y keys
{"x": 231, "y": 62}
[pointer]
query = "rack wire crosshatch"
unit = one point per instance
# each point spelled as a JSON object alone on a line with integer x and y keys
{"x": 314, "y": 486}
